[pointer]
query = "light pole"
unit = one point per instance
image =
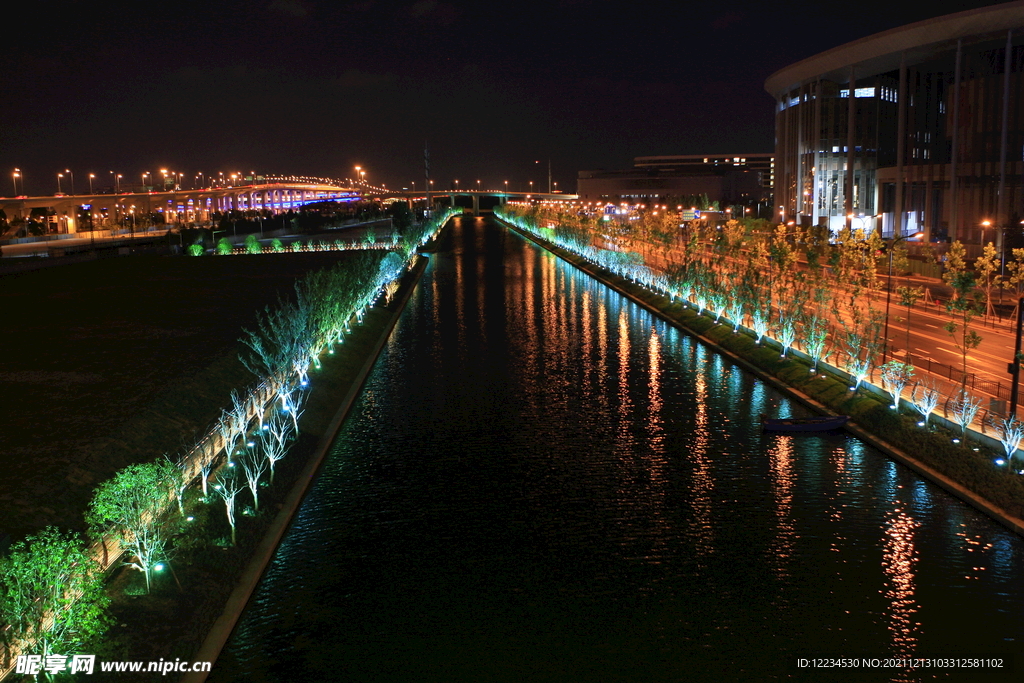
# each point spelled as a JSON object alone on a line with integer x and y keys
{"x": 59, "y": 176}
{"x": 888, "y": 292}
{"x": 68, "y": 171}
{"x": 14, "y": 178}
{"x": 91, "y": 176}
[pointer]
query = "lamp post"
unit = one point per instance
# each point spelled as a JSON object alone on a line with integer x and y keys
{"x": 14, "y": 178}
{"x": 68, "y": 171}
{"x": 59, "y": 176}
{"x": 91, "y": 176}
{"x": 888, "y": 291}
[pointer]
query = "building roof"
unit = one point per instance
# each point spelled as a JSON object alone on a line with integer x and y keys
{"x": 881, "y": 52}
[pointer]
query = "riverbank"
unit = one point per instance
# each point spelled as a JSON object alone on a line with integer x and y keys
{"x": 189, "y": 614}
{"x": 963, "y": 470}
{"x": 115, "y": 361}
{"x": 239, "y": 598}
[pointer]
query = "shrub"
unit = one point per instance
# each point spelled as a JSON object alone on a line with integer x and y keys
{"x": 196, "y": 250}
{"x": 223, "y": 246}
{"x": 252, "y": 245}
{"x": 276, "y": 245}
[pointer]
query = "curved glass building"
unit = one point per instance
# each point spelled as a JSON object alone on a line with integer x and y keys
{"x": 920, "y": 128}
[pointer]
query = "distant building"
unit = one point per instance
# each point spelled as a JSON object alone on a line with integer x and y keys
{"x": 920, "y": 128}
{"x": 735, "y": 179}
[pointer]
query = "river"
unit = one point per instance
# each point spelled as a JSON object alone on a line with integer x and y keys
{"x": 544, "y": 482}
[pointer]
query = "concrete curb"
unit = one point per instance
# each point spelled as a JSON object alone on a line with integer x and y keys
{"x": 239, "y": 598}
{"x": 1014, "y": 524}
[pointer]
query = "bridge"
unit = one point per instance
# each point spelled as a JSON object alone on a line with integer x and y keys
{"x": 69, "y": 214}
{"x": 473, "y": 201}
{"x": 75, "y": 213}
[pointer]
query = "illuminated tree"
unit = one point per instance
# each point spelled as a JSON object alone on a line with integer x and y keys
{"x": 253, "y": 465}
{"x": 134, "y": 503}
{"x": 1011, "y": 432}
{"x": 274, "y": 437}
{"x": 964, "y": 407}
{"x": 895, "y": 376}
{"x": 963, "y": 307}
{"x": 908, "y": 297}
{"x": 1015, "y": 280}
{"x": 815, "y": 322}
{"x": 228, "y": 485}
{"x": 986, "y": 266}
{"x": 925, "y": 398}
{"x": 51, "y": 595}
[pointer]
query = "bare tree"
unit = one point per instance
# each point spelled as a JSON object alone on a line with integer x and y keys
{"x": 1011, "y": 432}
{"x": 254, "y": 466}
{"x": 228, "y": 485}
{"x": 964, "y": 407}
{"x": 274, "y": 437}
{"x": 895, "y": 376}
{"x": 925, "y": 398}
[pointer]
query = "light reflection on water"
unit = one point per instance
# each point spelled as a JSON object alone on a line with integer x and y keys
{"x": 548, "y": 484}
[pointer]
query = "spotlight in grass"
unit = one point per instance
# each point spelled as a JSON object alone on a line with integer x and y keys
{"x": 956, "y": 440}
{"x": 920, "y": 424}
{"x": 190, "y": 519}
{"x": 158, "y": 567}
{"x": 1000, "y": 461}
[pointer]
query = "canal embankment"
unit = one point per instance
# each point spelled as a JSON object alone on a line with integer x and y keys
{"x": 204, "y": 566}
{"x": 342, "y": 391}
{"x": 964, "y": 469}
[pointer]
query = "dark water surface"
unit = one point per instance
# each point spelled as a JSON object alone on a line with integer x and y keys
{"x": 543, "y": 482}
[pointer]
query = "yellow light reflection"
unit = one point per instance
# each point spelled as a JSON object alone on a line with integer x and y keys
{"x": 783, "y": 475}
{"x": 898, "y": 559}
{"x": 703, "y": 526}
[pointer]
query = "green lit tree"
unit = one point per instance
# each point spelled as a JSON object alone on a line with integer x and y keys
{"x": 963, "y": 307}
{"x": 134, "y": 503}
{"x": 986, "y": 266}
{"x": 51, "y": 595}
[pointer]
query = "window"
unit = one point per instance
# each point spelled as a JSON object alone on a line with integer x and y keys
{"x": 858, "y": 92}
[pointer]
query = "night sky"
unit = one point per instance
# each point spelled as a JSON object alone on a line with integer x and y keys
{"x": 314, "y": 87}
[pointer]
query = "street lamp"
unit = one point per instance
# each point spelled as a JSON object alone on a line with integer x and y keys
{"x": 68, "y": 171}
{"x": 59, "y": 176}
{"x": 888, "y": 291}
{"x": 91, "y": 176}
{"x": 14, "y": 178}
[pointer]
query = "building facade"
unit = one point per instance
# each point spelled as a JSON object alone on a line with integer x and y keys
{"x": 916, "y": 129}
{"x": 730, "y": 179}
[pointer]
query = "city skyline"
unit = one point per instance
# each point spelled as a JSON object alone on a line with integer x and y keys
{"x": 311, "y": 88}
